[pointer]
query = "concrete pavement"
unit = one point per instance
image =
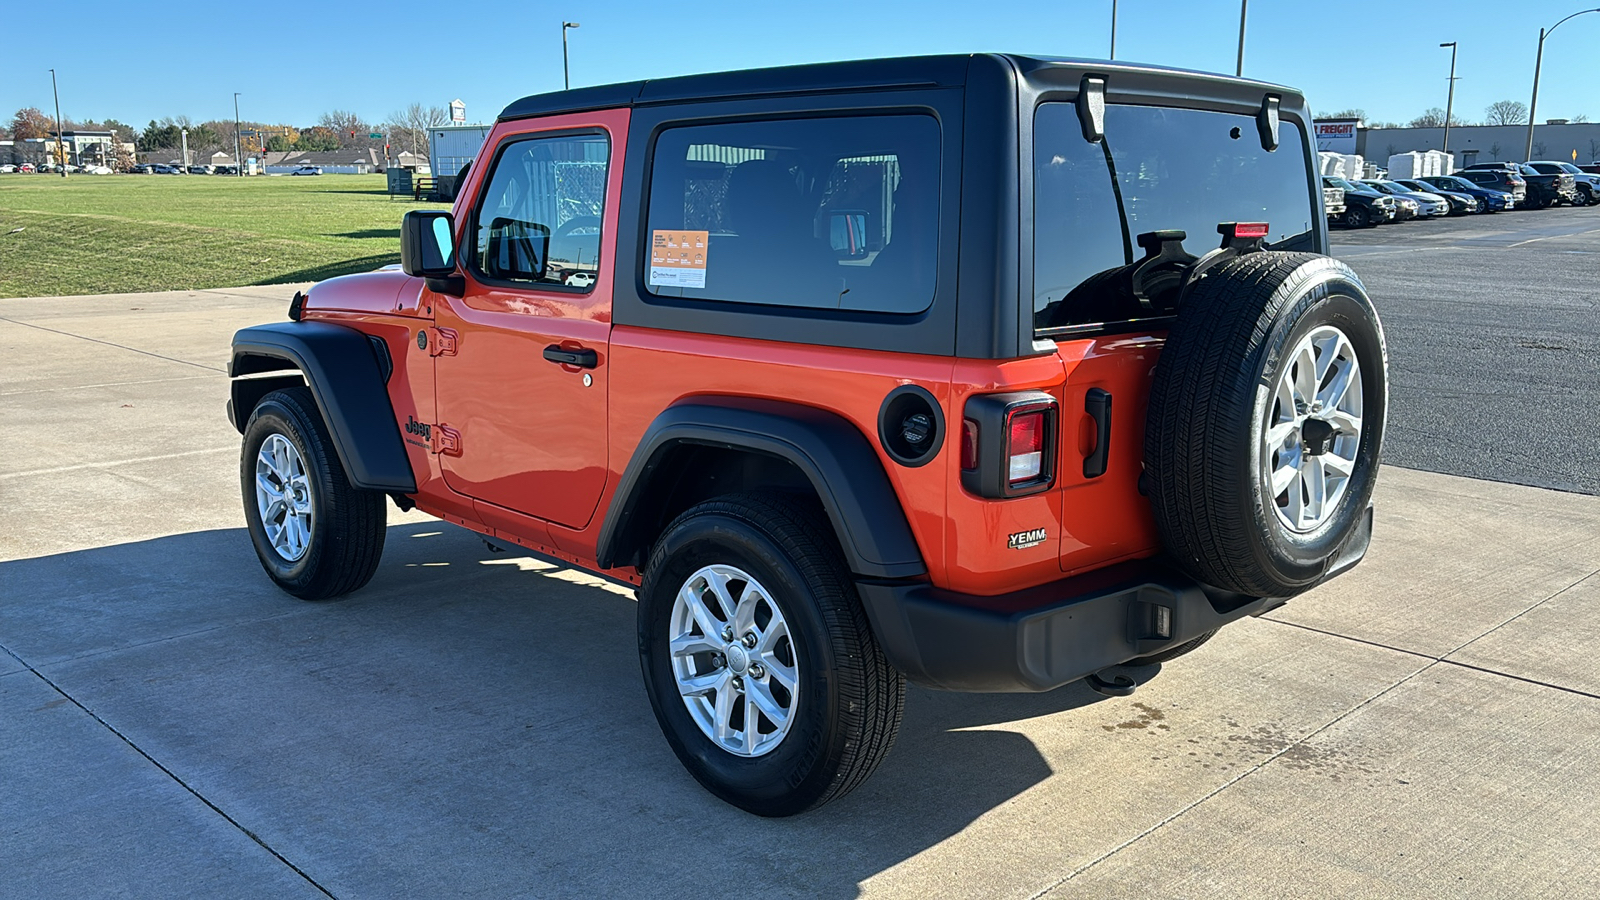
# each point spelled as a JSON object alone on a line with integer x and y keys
{"x": 472, "y": 723}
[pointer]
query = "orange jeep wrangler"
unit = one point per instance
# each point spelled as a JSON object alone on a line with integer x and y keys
{"x": 987, "y": 373}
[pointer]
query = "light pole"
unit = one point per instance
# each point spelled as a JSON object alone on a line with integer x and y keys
{"x": 61, "y": 153}
{"x": 566, "y": 79}
{"x": 1113, "y": 29}
{"x": 1238, "y": 69}
{"x": 1537, "y": 62}
{"x": 1450, "y": 99}
{"x": 238, "y": 155}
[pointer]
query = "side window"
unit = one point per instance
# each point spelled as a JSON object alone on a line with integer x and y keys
{"x": 832, "y": 213}
{"x": 538, "y": 221}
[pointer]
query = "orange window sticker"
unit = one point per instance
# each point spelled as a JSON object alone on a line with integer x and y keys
{"x": 678, "y": 258}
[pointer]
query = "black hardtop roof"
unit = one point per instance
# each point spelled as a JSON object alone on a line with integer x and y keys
{"x": 899, "y": 72}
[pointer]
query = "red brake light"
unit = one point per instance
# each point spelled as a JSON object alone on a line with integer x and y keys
{"x": 969, "y": 444}
{"x": 1249, "y": 229}
{"x": 1025, "y": 446}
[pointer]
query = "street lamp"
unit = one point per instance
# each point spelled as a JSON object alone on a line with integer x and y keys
{"x": 1450, "y": 99}
{"x": 61, "y": 154}
{"x": 1537, "y": 62}
{"x": 1238, "y": 69}
{"x": 238, "y": 162}
{"x": 1113, "y": 30}
{"x": 566, "y": 79}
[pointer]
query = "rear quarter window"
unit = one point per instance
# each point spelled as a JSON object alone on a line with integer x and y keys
{"x": 829, "y": 212}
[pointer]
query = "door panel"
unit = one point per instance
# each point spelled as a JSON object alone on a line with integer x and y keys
{"x": 532, "y": 430}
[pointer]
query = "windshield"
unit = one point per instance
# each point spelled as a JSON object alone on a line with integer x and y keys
{"x": 1378, "y": 186}
{"x": 1452, "y": 182}
{"x": 1569, "y": 168}
{"x": 1158, "y": 169}
{"x": 1341, "y": 183}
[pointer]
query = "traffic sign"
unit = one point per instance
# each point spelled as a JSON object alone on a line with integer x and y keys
{"x": 375, "y": 136}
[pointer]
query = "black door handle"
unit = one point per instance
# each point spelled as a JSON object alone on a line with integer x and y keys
{"x": 1098, "y": 405}
{"x": 583, "y": 359}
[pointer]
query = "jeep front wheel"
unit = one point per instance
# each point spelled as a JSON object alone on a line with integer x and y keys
{"x": 1265, "y": 422}
{"x": 316, "y": 536}
{"x": 758, "y": 660}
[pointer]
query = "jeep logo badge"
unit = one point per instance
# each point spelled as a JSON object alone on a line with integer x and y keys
{"x": 1022, "y": 540}
{"x": 418, "y": 428}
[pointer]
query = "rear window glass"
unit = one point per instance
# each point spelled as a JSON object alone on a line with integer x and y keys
{"x": 829, "y": 213}
{"x": 1157, "y": 169}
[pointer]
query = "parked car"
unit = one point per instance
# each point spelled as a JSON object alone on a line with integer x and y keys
{"x": 164, "y": 169}
{"x": 199, "y": 170}
{"x": 1428, "y": 204}
{"x": 27, "y": 168}
{"x": 1585, "y": 186}
{"x": 1460, "y": 204}
{"x": 1491, "y": 199}
{"x": 8, "y": 169}
{"x": 1498, "y": 178}
{"x": 829, "y": 460}
{"x": 1333, "y": 203}
{"x": 225, "y": 170}
{"x": 98, "y": 170}
{"x": 1363, "y": 206}
{"x": 1543, "y": 189}
{"x": 580, "y": 279}
{"x": 141, "y": 169}
{"x": 307, "y": 170}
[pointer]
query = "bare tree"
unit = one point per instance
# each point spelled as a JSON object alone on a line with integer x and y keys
{"x": 1538, "y": 149}
{"x": 1351, "y": 113}
{"x": 1433, "y": 118}
{"x": 1580, "y": 118}
{"x": 409, "y": 126}
{"x": 1506, "y": 112}
{"x": 351, "y": 128}
{"x": 1594, "y": 149}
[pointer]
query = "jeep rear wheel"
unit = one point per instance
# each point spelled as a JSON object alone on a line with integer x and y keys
{"x": 758, "y": 660}
{"x": 1265, "y": 422}
{"x": 316, "y": 536}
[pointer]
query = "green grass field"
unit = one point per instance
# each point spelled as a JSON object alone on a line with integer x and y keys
{"x": 114, "y": 233}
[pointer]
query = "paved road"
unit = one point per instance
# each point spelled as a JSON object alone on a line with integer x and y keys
{"x": 1493, "y": 325}
{"x": 472, "y": 724}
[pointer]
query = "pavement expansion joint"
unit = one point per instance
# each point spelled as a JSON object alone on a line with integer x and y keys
{"x": 112, "y": 344}
{"x": 166, "y": 771}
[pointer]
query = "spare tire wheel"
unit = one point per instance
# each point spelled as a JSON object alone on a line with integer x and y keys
{"x": 1265, "y": 421}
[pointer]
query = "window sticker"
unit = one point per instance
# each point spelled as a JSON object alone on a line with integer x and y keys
{"x": 678, "y": 258}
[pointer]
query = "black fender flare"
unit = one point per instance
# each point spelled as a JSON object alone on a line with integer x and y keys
{"x": 347, "y": 375}
{"x": 832, "y": 453}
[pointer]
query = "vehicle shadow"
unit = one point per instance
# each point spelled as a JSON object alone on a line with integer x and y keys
{"x": 480, "y": 711}
{"x": 335, "y": 269}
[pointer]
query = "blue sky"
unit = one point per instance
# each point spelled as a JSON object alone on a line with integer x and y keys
{"x": 299, "y": 60}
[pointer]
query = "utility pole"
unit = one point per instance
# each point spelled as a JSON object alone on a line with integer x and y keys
{"x": 1238, "y": 69}
{"x": 238, "y": 155}
{"x": 61, "y": 153}
{"x": 1113, "y": 29}
{"x": 1533, "y": 104}
{"x": 1450, "y": 99}
{"x": 566, "y": 79}
{"x": 184, "y": 135}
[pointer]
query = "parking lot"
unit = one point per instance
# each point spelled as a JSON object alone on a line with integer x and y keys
{"x": 472, "y": 723}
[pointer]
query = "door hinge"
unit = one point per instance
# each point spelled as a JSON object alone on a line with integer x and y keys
{"x": 446, "y": 441}
{"x": 444, "y": 342}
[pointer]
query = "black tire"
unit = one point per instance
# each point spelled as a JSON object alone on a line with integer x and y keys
{"x": 347, "y": 524}
{"x": 848, "y": 705}
{"x": 1212, "y": 390}
{"x": 1172, "y": 653}
{"x": 1583, "y": 197}
{"x": 1356, "y": 216}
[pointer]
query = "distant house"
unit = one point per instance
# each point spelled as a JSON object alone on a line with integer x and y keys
{"x": 357, "y": 161}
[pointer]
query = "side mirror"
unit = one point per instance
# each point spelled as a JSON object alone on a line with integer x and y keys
{"x": 517, "y": 251}
{"x": 427, "y": 244}
{"x": 847, "y": 233}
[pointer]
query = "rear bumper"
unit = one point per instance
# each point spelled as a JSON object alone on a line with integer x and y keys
{"x": 1044, "y": 637}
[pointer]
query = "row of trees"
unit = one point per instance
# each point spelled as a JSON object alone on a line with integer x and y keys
{"x": 405, "y": 129}
{"x": 1502, "y": 112}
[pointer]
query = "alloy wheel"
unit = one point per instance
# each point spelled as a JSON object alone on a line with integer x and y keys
{"x": 283, "y": 497}
{"x": 1313, "y": 430}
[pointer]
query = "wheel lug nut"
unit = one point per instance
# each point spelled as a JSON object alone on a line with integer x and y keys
{"x": 738, "y": 683}
{"x": 727, "y": 632}
{"x": 756, "y": 671}
{"x": 750, "y": 640}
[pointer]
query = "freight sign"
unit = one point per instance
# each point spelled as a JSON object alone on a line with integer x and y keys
{"x": 1337, "y": 135}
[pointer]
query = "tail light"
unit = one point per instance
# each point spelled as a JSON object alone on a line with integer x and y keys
{"x": 1008, "y": 444}
{"x": 1025, "y": 447}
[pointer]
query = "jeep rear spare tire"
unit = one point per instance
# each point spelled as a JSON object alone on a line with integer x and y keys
{"x": 1265, "y": 421}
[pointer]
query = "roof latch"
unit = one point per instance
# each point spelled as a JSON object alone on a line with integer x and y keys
{"x": 1267, "y": 122}
{"x": 1092, "y": 108}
